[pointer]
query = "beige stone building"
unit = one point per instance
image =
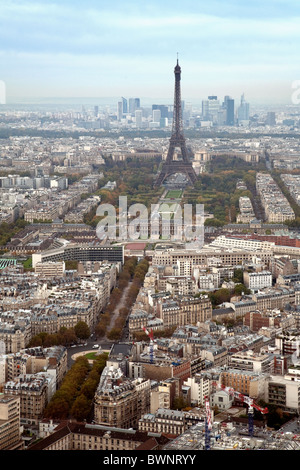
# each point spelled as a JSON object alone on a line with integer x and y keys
{"x": 14, "y": 337}
{"x": 168, "y": 421}
{"x": 186, "y": 260}
{"x": 50, "y": 269}
{"x": 246, "y": 382}
{"x": 10, "y": 431}
{"x": 32, "y": 391}
{"x": 120, "y": 401}
{"x": 35, "y": 360}
{"x": 184, "y": 311}
{"x": 82, "y": 436}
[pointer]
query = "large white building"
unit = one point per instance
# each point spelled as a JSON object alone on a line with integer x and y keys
{"x": 199, "y": 388}
{"x": 284, "y": 391}
{"x": 258, "y": 280}
{"x": 243, "y": 243}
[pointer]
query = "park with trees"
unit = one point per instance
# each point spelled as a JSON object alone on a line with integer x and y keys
{"x": 74, "y": 399}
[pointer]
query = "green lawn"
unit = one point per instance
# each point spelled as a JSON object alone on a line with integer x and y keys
{"x": 174, "y": 193}
{"x": 91, "y": 356}
{"x": 28, "y": 263}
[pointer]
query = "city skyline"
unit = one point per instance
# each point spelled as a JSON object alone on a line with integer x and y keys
{"x": 73, "y": 50}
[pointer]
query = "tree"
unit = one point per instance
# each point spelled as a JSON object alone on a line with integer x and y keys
{"x": 67, "y": 336}
{"x": 82, "y": 330}
{"x": 58, "y": 408}
{"x": 220, "y": 296}
{"x": 114, "y": 334}
{"x": 238, "y": 276}
{"x": 81, "y": 408}
{"x": 179, "y": 403}
{"x": 100, "y": 330}
{"x": 240, "y": 289}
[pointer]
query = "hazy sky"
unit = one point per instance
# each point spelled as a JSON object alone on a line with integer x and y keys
{"x": 97, "y": 48}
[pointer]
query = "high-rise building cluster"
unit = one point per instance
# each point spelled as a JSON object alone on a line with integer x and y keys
{"x": 213, "y": 112}
{"x": 224, "y": 113}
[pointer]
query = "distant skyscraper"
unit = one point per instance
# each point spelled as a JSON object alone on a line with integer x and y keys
{"x": 120, "y": 110}
{"x": 125, "y": 107}
{"x": 210, "y": 108}
{"x": 134, "y": 104}
{"x": 229, "y": 107}
{"x": 138, "y": 118}
{"x": 164, "y": 110}
{"x": 205, "y": 109}
{"x": 271, "y": 118}
{"x": 96, "y": 111}
{"x": 243, "y": 110}
{"x": 156, "y": 115}
{"x": 221, "y": 118}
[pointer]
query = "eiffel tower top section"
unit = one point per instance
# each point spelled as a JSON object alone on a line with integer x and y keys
{"x": 177, "y": 113}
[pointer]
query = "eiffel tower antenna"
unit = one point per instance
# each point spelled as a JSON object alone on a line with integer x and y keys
{"x": 177, "y": 139}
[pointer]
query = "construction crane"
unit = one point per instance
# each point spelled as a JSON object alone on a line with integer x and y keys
{"x": 244, "y": 399}
{"x": 150, "y": 334}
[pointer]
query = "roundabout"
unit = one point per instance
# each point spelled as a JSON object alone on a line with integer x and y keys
{"x": 91, "y": 352}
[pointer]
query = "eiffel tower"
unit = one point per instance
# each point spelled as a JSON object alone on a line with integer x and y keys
{"x": 177, "y": 140}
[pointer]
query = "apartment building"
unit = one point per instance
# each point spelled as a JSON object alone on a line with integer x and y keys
{"x": 179, "y": 285}
{"x": 42, "y": 321}
{"x": 209, "y": 281}
{"x": 167, "y": 312}
{"x": 248, "y": 383}
{"x": 163, "y": 394}
{"x": 243, "y": 306}
{"x": 37, "y": 359}
{"x": 200, "y": 388}
{"x": 13, "y": 336}
{"x": 161, "y": 366}
{"x": 217, "y": 355}
{"x": 292, "y": 182}
{"x": 168, "y": 421}
{"x": 284, "y": 391}
{"x": 256, "y": 281}
{"x": 50, "y": 269}
{"x": 32, "y": 391}
{"x": 32, "y": 304}
{"x": 274, "y": 298}
{"x": 256, "y": 320}
{"x": 10, "y": 430}
{"x": 288, "y": 342}
{"x": 138, "y": 319}
{"x": 186, "y": 260}
{"x": 82, "y": 436}
{"x": 276, "y": 206}
{"x": 184, "y": 310}
{"x": 120, "y": 401}
{"x": 243, "y": 243}
{"x": 246, "y": 210}
{"x": 248, "y": 360}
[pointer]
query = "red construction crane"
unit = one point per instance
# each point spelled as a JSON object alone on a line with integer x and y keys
{"x": 244, "y": 399}
{"x": 208, "y": 423}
